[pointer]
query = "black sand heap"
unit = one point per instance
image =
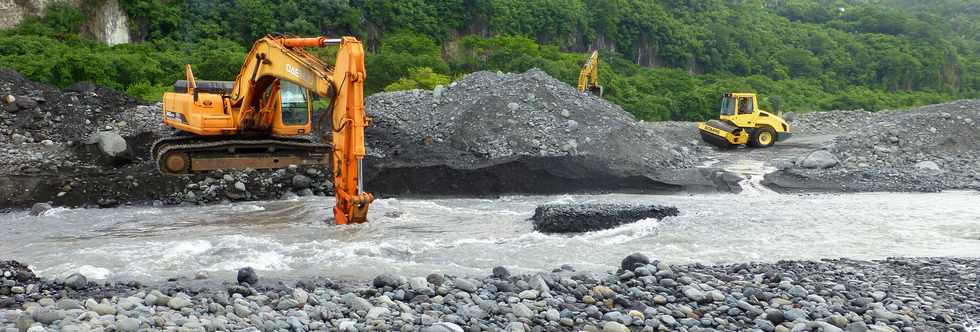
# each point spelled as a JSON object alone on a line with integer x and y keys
{"x": 493, "y": 133}
{"x": 577, "y": 218}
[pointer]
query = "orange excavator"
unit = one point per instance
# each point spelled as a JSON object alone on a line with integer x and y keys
{"x": 263, "y": 119}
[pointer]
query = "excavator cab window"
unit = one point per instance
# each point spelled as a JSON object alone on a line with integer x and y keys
{"x": 727, "y": 106}
{"x": 294, "y": 104}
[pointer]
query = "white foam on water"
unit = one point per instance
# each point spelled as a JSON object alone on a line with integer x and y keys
{"x": 55, "y": 211}
{"x": 624, "y": 233}
{"x": 752, "y": 172}
{"x": 94, "y": 272}
{"x": 752, "y": 185}
{"x": 247, "y": 208}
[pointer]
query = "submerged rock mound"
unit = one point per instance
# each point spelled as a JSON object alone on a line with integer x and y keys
{"x": 577, "y": 218}
{"x": 491, "y": 133}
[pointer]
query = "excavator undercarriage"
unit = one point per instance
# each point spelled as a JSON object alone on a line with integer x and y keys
{"x": 187, "y": 154}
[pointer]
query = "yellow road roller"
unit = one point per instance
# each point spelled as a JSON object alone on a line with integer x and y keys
{"x": 743, "y": 123}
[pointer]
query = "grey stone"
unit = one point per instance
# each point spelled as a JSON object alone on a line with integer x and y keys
{"x": 435, "y": 279}
{"x": 241, "y": 310}
{"x": 247, "y": 274}
{"x": 694, "y": 294}
{"x": 819, "y": 159}
{"x": 111, "y": 143}
{"x": 500, "y": 272}
{"x": 634, "y": 261}
{"x": 48, "y": 316}
{"x": 418, "y": 283}
{"x": 76, "y": 281}
{"x": 529, "y": 294}
{"x": 798, "y": 291}
{"x": 387, "y": 279}
{"x": 39, "y": 208}
{"x": 301, "y": 296}
{"x": 465, "y": 285}
{"x": 377, "y": 313}
{"x": 179, "y": 302}
{"x": 443, "y": 327}
{"x": 301, "y": 182}
{"x": 521, "y": 310}
{"x": 357, "y": 303}
{"x": 614, "y": 327}
{"x": 128, "y": 324}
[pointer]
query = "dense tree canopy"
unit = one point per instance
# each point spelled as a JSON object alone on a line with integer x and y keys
{"x": 662, "y": 59}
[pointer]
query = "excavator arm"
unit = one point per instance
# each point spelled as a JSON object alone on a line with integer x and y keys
{"x": 588, "y": 78}
{"x": 347, "y": 126}
{"x": 277, "y": 58}
{"x": 281, "y": 58}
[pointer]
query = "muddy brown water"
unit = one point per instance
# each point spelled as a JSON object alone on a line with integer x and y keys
{"x": 288, "y": 239}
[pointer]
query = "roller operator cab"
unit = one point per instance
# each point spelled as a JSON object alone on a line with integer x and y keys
{"x": 741, "y": 122}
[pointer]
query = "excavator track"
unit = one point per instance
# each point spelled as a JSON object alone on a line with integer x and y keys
{"x": 182, "y": 155}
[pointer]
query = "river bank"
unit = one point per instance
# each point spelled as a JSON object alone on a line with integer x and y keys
{"x": 86, "y": 146}
{"x": 643, "y": 295}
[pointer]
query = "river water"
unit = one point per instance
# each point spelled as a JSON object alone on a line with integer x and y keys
{"x": 288, "y": 239}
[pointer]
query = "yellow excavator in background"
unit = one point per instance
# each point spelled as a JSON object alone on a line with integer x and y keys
{"x": 742, "y": 122}
{"x": 263, "y": 118}
{"x": 588, "y": 78}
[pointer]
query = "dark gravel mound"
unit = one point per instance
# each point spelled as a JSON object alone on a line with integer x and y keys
{"x": 42, "y": 112}
{"x": 577, "y": 218}
{"x": 929, "y": 148}
{"x": 53, "y": 148}
{"x": 503, "y": 133}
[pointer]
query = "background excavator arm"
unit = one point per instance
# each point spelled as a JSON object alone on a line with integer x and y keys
{"x": 588, "y": 78}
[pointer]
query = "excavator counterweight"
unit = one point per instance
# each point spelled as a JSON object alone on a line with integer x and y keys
{"x": 263, "y": 119}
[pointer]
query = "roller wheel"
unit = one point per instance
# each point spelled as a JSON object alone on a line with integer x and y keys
{"x": 175, "y": 162}
{"x": 763, "y": 138}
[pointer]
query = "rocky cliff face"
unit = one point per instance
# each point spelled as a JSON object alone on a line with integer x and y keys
{"x": 106, "y": 20}
{"x": 14, "y": 11}
{"x": 108, "y": 23}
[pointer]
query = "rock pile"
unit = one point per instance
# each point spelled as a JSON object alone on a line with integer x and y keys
{"x": 577, "y": 218}
{"x": 88, "y": 146}
{"x": 929, "y": 148}
{"x": 497, "y": 133}
{"x": 16, "y": 280}
{"x": 646, "y": 295}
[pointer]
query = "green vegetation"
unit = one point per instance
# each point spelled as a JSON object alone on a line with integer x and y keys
{"x": 663, "y": 59}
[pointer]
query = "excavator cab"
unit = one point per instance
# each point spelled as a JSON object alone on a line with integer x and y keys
{"x": 295, "y": 105}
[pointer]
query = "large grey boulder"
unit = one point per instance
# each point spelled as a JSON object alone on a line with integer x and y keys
{"x": 111, "y": 143}
{"x": 819, "y": 159}
{"x": 576, "y": 218}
